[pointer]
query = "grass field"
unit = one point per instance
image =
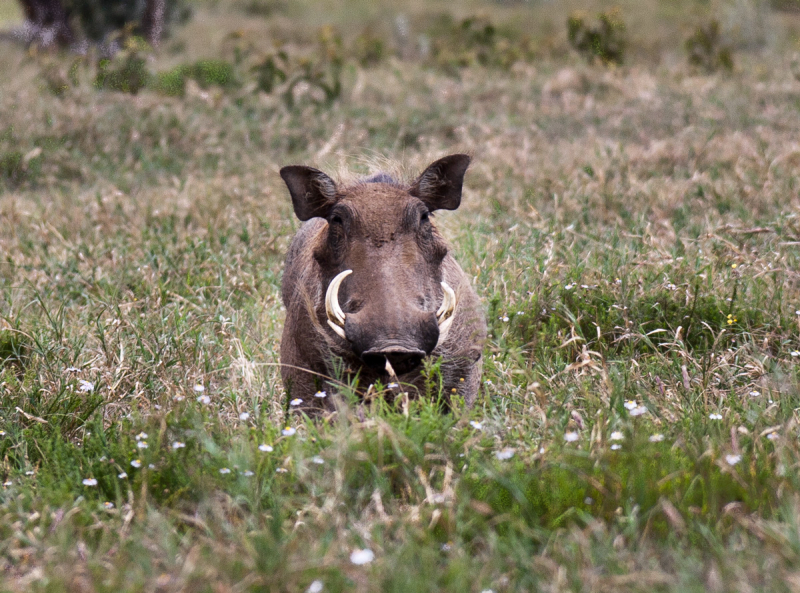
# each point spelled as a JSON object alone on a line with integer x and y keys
{"x": 633, "y": 232}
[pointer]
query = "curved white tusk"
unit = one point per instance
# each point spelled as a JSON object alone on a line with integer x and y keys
{"x": 335, "y": 314}
{"x": 445, "y": 314}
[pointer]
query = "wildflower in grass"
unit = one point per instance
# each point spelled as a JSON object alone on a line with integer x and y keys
{"x": 446, "y": 547}
{"x": 265, "y": 448}
{"x": 29, "y": 472}
{"x": 108, "y": 505}
{"x": 715, "y": 416}
{"x": 178, "y": 445}
{"x": 617, "y": 436}
{"x": 321, "y": 394}
{"x": 795, "y": 353}
{"x": 754, "y": 394}
{"x": 504, "y": 454}
{"x": 731, "y": 319}
{"x": 244, "y": 416}
{"x": 571, "y": 437}
{"x": 72, "y": 370}
{"x": 362, "y": 556}
{"x": 393, "y": 385}
{"x": 616, "y": 447}
{"x": 476, "y": 425}
{"x": 489, "y": 382}
{"x": 569, "y": 287}
{"x": 656, "y": 438}
{"x": 142, "y": 444}
{"x": 797, "y": 312}
{"x": 315, "y": 587}
{"x": 137, "y": 463}
{"x": 281, "y": 470}
{"x": 733, "y": 266}
{"x": 224, "y": 470}
{"x": 8, "y": 483}
{"x": 296, "y": 402}
{"x": 318, "y": 460}
{"x": 638, "y": 411}
{"x": 151, "y": 466}
{"x": 504, "y": 318}
{"x": 2, "y": 433}
{"x": 630, "y": 404}
{"x": 89, "y": 482}
{"x": 85, "y": 386}
{"x": 179, "y": 398}
{"x": 247, "y": 473}
{"x": 122, "y": 475}
{"x": 204, "y": 399}
{"x": 288, "y": 431}
{"x": 732, "y": 459}
{"x": 199, "y": 388}
{"x": 141, "y": 436}
{"x": 773, "y": 436}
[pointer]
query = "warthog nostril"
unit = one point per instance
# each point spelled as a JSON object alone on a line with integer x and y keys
{"x": 402, "y": 361}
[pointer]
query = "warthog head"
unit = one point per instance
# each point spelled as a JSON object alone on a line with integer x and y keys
{"x": 381, "y": 260}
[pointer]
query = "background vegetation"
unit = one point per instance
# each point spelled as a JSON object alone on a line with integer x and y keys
{"x": 631, "y": 224}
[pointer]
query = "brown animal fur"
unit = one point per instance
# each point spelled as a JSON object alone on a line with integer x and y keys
{"x": 381, "y": 230}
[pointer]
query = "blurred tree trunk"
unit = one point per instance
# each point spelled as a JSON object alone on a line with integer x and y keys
{"x": 153, "y": 20}
{"x": 47, "y": 23}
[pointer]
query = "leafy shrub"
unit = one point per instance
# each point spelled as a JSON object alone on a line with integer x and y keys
{"x": 99, "y": 18}
{"x": 126, "y": 72}
{"x": 706, "y": 51}
{"x": 602, "y": 40}
{"x": 475, "y": 41}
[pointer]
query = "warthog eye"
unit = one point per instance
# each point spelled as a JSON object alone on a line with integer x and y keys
{"x": 336, "y": 219}
{"x": 425, "y": 217}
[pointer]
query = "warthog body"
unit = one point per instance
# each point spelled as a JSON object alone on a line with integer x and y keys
{"x": 371, "y": 290}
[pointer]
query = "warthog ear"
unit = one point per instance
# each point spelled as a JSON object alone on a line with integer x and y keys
{"x": 313, "y": 192}
{"x": 439, "y": 186}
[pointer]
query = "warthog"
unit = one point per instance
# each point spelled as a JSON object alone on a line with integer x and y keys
{"x": 371, "y": 290}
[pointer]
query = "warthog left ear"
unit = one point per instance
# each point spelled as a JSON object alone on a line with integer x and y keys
{"x": 439, "y": 186}
{"x": 313, "y": 193}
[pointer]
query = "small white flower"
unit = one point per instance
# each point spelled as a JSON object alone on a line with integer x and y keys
{"x": 29, "y": 473}
{"x": 489, "y": 382}
{"x": 617, "y": 436}
{"x": 141, "y": 436}
{"x": 571, "y": 437}
{"x": 296, "y": 402}
{"x": 797, "y": 312}
{"x": 265, "y": 448}
{"x": 315, "y": 587}
{"x": 630, "y": 404}
{"x": 204, "y": 399}
{"x": 122, "y": 475}
{"x": 281, "y": 470}
{"x": 108, "y": 505}
{"x": 72, "y": 370}
{"x": 504, "y": 318}
{"x": 773, "y": 436}
{"x": 8, "y": 483}
{"x": 476, "y": 425}
{"x": 244, "y": 416}
{"x": 362, "y": 556}
{"x": 224, "y": 471}
{"x": 447, "y": 547}
{"x": 288, "y": 431}
{"x": 85, "y": 386}
{"x": 715, "y": 416}
{"x": 795, "y": 353}
{"x": 142, "y": 444}
{"x": 318, "y": 460}
{"x": 393, "y": 385}
{"x": 179, "y": 398}
{"x": 569, "y": 287}
{"x": 199, "y": 388}
{"x": 504, "y": 454}
{"x": 247, "y": 473}
{"x": 136, "y": 463}
{"x": 754, "y": 394}
{"x": 151, "y": 466}
{"x": 178, "y": 445}
{"x": 732, "y": 459}
{"x": 638, "y": 411}
{"x": 656, "y": 438}
{"x": 616, "y": 447}
{"x": 89, "y": 482}
{"x": 320, "y": 394}
{"x": 2, "y": 433}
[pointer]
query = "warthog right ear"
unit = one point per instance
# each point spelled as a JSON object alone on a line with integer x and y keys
{"x": 439, "y": 186}
{"x": 313, "y": 193}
